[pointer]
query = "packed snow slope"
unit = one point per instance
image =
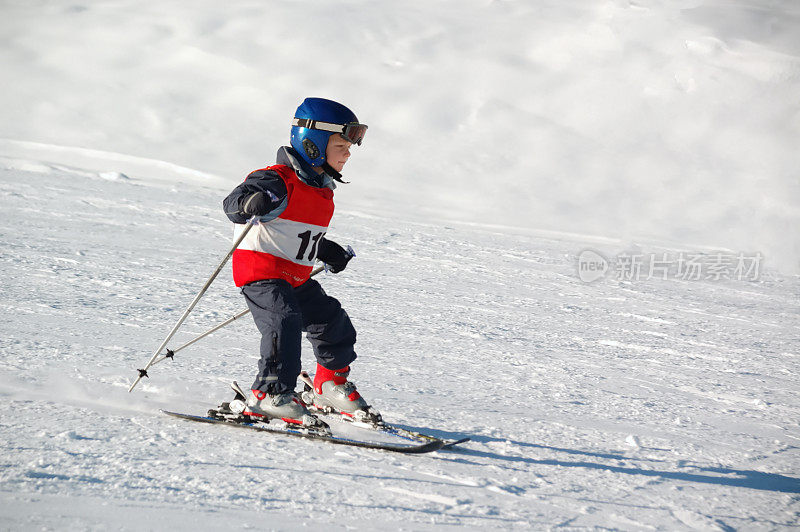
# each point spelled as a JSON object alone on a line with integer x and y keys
{"x": 634, "y": 405}
{"x": 508, "y": 142}
{"x": 624, "y": 118}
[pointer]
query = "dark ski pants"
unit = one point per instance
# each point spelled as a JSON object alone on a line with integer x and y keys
{"x": 282, "y": 313}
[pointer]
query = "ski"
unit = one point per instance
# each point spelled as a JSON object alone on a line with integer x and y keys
{"x": 371, "y": 420}
{"x": 384, "y": 427}
{"x": 413, "y": 447}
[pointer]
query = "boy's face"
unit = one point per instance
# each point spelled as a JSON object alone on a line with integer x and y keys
{"x": 337, "y": 152}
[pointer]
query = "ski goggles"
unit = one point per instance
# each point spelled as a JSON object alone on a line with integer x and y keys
{"x": 352, "y": 132}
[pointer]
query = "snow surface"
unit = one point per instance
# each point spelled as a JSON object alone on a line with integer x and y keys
{"x": 666, "y": 404}
{"x": 663, "y": 404}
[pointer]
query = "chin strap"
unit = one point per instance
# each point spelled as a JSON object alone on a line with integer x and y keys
{"x": 333, "y": 173}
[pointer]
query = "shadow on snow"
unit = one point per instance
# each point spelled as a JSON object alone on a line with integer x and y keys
{"x": 738, "y": 478}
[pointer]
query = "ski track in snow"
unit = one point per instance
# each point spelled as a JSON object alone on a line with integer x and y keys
{"x": 639, "y": 406}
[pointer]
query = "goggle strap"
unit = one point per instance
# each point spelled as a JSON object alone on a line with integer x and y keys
{"x": 314, "y": 124}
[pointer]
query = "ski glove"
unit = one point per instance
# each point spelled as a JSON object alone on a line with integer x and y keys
{"x": 333, "y": 255}
{"x": 257, "y": 204}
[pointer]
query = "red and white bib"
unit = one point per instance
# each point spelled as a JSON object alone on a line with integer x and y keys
{"x": 286, "y": 247}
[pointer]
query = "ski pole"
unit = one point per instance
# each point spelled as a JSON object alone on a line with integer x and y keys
{"x": 171, "y": 352}
{"x": 143, "y": 372}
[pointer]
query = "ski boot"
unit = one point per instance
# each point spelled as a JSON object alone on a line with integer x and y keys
{"x": 260, "y": 406}
{"x": 332, "y": 392}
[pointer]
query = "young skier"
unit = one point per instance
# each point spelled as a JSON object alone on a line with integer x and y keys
{"x": 294, "y": 202}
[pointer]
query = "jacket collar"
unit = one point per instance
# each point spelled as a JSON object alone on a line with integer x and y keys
{"x": 289, "y": 157}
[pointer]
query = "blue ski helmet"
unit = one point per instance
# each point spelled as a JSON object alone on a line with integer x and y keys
{"x": 315, "y": 121}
